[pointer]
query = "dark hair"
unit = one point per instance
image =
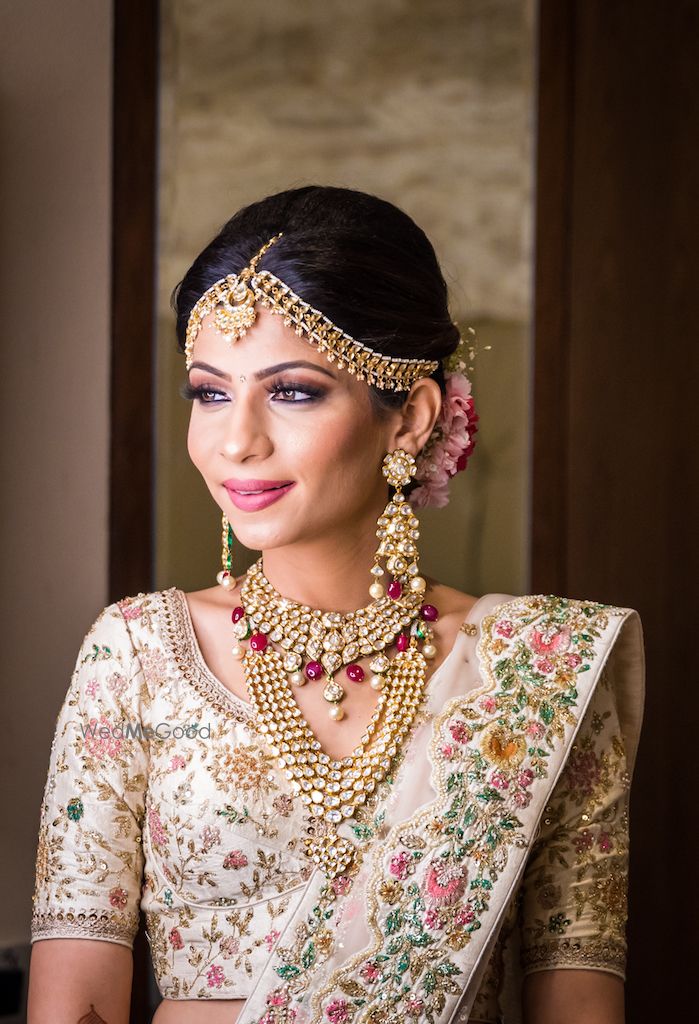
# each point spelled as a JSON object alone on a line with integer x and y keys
{"x": 359, "y": 259}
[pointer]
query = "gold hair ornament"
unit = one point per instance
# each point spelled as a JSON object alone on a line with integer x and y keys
{"x": 232, "y": 301}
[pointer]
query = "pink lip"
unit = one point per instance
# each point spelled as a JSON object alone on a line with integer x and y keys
{"x": 273, "y": 491}
{"x": 252, "y": 484}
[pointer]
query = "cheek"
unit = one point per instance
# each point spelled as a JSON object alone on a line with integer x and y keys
{"x": 196, "y": 441}
{"x": 339, "y": 450}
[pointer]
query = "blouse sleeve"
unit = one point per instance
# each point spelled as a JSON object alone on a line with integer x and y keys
{"x": 89, "y": 859}
{"x": 574, "y": 893}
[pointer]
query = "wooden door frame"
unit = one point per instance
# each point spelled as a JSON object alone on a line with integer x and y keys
{"x": 136, "y": 25}
{"x": 133, "y": 320}
{"x": 615, "y": 474}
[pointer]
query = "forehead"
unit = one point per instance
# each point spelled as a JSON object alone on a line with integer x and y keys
{"x": 268, "y": 340}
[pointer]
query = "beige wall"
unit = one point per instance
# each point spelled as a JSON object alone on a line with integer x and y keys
{"x": 55, "y": 93}
{"x": 428, "y": 104}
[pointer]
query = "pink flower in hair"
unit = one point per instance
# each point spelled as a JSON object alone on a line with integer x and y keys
{"x": 450, "y": 446}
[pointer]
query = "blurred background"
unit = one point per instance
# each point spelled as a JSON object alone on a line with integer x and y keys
{"x": 549, "y": 148}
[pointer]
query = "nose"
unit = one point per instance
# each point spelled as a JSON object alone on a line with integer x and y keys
{"x": 245, "y": 434}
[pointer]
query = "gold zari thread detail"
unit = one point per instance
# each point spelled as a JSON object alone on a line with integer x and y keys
{"x": 103, "y": 924}
{"x": 595, "y": 954}
{"x": 179, "y": 641}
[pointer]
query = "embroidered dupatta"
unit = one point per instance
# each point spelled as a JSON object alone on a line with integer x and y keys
{"x": 407, "y": 934}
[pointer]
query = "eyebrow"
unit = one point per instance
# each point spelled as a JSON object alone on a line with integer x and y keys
{"x": 261, "y": 374}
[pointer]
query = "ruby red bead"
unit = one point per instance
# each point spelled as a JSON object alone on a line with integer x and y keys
{"x": 394, "y": 589}
{"x": 314, "y": 670}
{"x": 237, "y": 613}
{"x": 429, "y": 613}
{"x": 355, "y": 673}
{"x": 258, "y": 641}
{"x": 403, "y": 642}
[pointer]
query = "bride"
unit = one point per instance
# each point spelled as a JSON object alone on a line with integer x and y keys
{"x": 338, "y": 790}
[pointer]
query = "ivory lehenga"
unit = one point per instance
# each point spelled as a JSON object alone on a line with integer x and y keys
{"x": 497, "y": 846}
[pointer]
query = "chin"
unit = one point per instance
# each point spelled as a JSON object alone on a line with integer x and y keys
{"x": 262, "y": 539}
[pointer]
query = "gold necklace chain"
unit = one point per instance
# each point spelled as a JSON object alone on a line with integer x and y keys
{"x": 331, "y": 789}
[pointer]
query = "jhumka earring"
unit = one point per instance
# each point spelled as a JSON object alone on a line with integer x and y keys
{"x": 397, "y": 531}
{"x": 225, "y": 577}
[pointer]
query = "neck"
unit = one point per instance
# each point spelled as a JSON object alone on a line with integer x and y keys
{"x": 331, "y": 573}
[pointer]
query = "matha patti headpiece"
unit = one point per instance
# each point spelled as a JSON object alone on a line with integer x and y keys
{"x": 232, "y": 301}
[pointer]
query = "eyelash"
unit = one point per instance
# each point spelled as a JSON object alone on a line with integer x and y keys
{"x": 279, "y": 387}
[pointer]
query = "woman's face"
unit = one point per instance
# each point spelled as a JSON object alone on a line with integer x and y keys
{"x": 307, "y": 424}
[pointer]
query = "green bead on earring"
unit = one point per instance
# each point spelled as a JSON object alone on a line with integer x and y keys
{"x": 225, "y": 577}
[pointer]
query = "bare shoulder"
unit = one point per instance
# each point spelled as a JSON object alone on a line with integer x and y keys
{"x": 449, "y": 602}
{"x": 212, "y": 597}
{"x": 210, "y": 608}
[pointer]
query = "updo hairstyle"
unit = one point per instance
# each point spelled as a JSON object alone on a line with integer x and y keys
{"x": 358, "y": 259}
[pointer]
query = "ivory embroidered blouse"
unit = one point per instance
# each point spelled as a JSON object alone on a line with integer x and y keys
{"x": 162, "y": 796}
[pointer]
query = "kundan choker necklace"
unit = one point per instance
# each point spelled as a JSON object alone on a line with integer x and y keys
{"x": 316, "y": 643}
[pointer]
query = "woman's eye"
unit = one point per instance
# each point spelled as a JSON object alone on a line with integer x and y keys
{"x": 288, "y": 393}
{"x": 307, "y": 392}
{"x": 208, "y": 396}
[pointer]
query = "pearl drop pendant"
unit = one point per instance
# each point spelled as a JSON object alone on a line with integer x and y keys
{"x": 237, "y": 651}
{"x": 297, "y": 679}
{"x": 429, "y": 650}
{"x": 376, "y": 590}
{"x": 336, "y": 713}
{"x": 376, "y": 682}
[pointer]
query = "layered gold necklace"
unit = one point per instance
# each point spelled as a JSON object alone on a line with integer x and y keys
{"x": 332, "y": 789}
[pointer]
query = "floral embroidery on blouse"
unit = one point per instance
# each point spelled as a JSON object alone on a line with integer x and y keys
{"x": 86, "y": 877}
{"x": 247, "y": 767}
{"x": 576, "y": 881}
{"x": 157, "y": 802}
{"x": 199, "y": 831}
